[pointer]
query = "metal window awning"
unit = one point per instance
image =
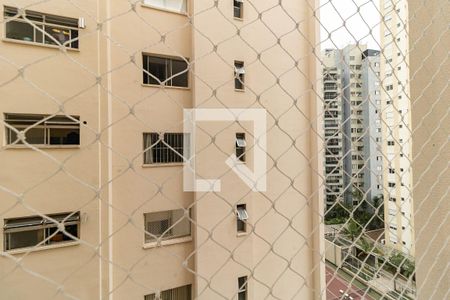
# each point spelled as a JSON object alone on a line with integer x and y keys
{"x": 23, "y": 222}
{"x": 63, "y": 217}
{"x": 240, "y": 142}
{"x": 241, "y": 213}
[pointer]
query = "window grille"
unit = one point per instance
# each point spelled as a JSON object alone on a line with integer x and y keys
{"x": 166, "y": 149}
{"x": 179, "y": 293}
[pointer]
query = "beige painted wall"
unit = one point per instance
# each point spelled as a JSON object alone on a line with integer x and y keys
{"x": 283, "y": 256}
{"x": 430, "y": 94}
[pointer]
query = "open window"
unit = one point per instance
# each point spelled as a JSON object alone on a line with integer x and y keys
{"x": 43, "y": 130}
{"x": 239, "y": 75}
{"x": 38, "y": 231}
{"x": 241, "y": 218}
{"x": 166, "y": 225}
{"x": 242, "y": 288}
{"x": 241, "y": 145}
{"x": 58, "y": 30}
{"x": 179, "y": 6}
{"x": 238, "y": 9}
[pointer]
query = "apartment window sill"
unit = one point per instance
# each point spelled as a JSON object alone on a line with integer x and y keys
{"x": 239, "y": 90}
{"x": 241, "y": 234}
{"x": 181, "y": 13}
{"x": 174, "y": 241}
{"x": 166, "y": 86}
{"x": 42, "y": 248}
{"x": 8, "y": 40}
{"x": 238, "y": 19}
{"x": 159, "y": 165}
{"x": 42, "y": 146}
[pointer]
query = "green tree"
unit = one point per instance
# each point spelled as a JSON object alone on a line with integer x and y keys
{"x": 365, "y": 247}
{"x": 352, "y": 230}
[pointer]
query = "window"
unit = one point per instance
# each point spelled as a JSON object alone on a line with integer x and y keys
{"x": 391, "y": 184}
{"x": 352, "y": 58}
{"x": 173, "y": 5}
{"x": 58, "y": 30}
{"x": 240, "y": 146}
{"x": 165, "y": 71}
{"x": 391, "y": 171}
{"x": 239, "y": 75}
{"x": 242, "y": 288}
{"x": 164, "y": 148}
{"x": 238, "y": 6}
{"x": 242, "y": 217}
{"x": 37, "y": 231}
{"x": 390, "y": 143}
{"x": 179, "y": 293}
{"x": 166, "y": 225}
{"x": 389, "y": 87}
{"x": 43, "y": 129}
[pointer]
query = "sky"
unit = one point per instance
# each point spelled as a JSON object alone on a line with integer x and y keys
{"x": 355, "y": 23}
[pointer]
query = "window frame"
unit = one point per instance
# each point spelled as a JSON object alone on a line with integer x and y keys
{"x": 188, "y": 291}
{"x": 44, "y": 225}
{"x": 73, "y": 43}
{"x": 239, "y": 76}
{"x": 168, "y": 63}
{"x": 240, "y": 149}
{"x": 170, "y": 10}
{"x": 238, "y": 5}
{"x": 45, "y": 122}
{"x": 167, "y": 235}
{"x": 242, "y": 288}
{"x": 168, "y": 154}
{"x": 241, "y": 218}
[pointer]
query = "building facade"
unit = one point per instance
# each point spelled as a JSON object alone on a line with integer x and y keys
{"x": 372, "y": 138}
{"x": 93, "y": 139}
{"x": 352, "y": 124}
{"x": 396, "y": 126}
{"x": 332, "y": 98}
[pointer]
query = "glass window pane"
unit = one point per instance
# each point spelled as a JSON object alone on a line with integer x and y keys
{"x": 157, "y": 67}
{"x": 24, "y": 239}
{"x": 38, "y": 34}
{"x": 74, "y": 35}
{"x": 61, "y": 236}
{"x": 35, "y": 136}
{"x": 19, "y": 31}
{"x": 61, "y": 35}
{"x": 181, "y": 80}
{"x": 64, "y": 136}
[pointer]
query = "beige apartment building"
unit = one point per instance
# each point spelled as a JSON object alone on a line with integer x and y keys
{"x": 91, "y": 184}
{"x": 396, "y": 126}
